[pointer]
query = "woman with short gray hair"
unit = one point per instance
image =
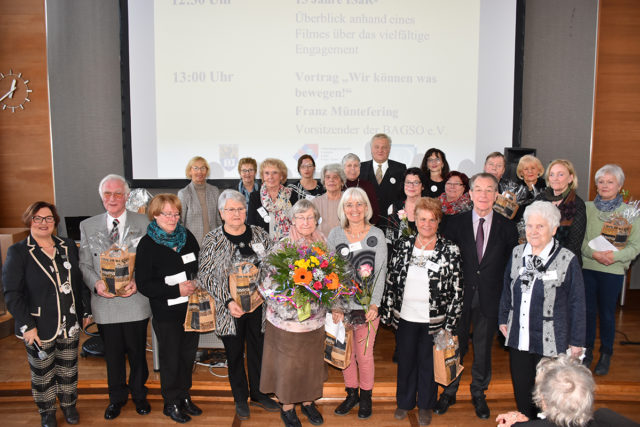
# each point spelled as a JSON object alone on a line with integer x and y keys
{"x": 333, "y": 179}
{"x": 351, "y": 166}
{"x": 604, "y": 270}
{"x": 542, "y": 308}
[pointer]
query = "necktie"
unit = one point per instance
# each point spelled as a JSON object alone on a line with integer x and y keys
{"x": 115, "y": 234}
{"x": 379, "y": 174}
{"x": 480, "y": 239}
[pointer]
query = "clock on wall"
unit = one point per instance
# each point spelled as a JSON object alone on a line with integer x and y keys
{"x": 14, "y": 91}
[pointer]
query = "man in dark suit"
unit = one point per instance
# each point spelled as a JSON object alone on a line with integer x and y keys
{"x": 386, "y": 175}
{"x": 486, "y": 241}
{"x": 122, "y": 320}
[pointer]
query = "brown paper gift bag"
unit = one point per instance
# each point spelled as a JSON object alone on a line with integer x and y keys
{"x": 617, "y": 231}
{"x": 506, "y": 205}
{"x": 116, "y": 269}
{"x": 201, "y": 313}
{"x": 446, "y": 363}
{"x": 337, "y": 353}
{"x": 243, "y": 286}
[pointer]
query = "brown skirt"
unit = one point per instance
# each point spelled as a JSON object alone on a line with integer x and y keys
{"x": 293, "y": 364}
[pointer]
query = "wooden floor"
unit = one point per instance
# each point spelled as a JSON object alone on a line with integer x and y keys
{"x": 620, "y": 390}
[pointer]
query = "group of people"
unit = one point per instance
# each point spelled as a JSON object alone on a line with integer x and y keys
{"x": 443, "y": 263}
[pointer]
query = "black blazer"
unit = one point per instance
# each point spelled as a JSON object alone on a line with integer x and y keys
{"x": 31, "y": 289}
{"x": 488, "y": 276}
{"x": 390, "y": 189}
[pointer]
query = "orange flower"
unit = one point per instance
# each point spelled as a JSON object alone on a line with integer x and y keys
{"x": 335, "y": 281}
{"x": 318, "y": 251}
{"x": 301, "y": 276}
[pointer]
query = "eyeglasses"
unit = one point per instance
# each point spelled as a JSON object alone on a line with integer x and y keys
{"x": 199, "y": 168}
{"x": 305, "y": 218}
{"x": 358, "y": 205}
{"x": 412, "y": 183}
{"x": 170, "y": 215}
{"x": 435, "y": 160}
{"x": 308, "y": 166}
{"x": 247, "y": 170}
{"x": 109, "y": 194}
{"x": 48, "y": 219}
{"x": 452, "y": 184}
{"x": 234, "y": 211}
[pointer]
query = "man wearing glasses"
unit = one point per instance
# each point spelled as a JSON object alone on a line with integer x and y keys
{"x": 122, "y": 321}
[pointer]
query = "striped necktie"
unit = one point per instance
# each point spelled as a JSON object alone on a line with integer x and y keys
{"x": 379, "y": 174}
{"x": 115, "y": 234}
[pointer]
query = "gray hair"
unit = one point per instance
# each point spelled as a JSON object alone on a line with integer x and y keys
{"x": 229, "y": 194}
{"x": 381, "y": 136}
{"x": 359, "y": 195}
{"x": 350, "y": 157}
{"x": 564, "y": 390}
{"x": 546, "y": 210}
{"x": 611, "y": 169}
{"x": 114, "y": 177}
{"x": 486, "y": 175}
{"x": 304, "y": 205}
{"x": 335, "y": 168}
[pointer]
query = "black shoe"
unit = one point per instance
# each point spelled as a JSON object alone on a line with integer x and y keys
{"x": 290, "y": 418}
{"x": 482, "y": 409}
{"x": 424, "y": 417}
{"x": 266, "y": 403}
{"x": 113, "y": 410}
{"x": 588, "y": 358}
{"x": 242, "y": 410}
{"x": 352, "y": 400}
{"x": 311, "y": 412}
{"x": 188, "y": 407}
{"x": 173, "y": 411}
{"x": 364, "y": 411}
{"x": 142, "y": 406}
{"x": 71, "y": 414}
{"x": 48, "y": 419}
{"x": 443, "y": 403}
{"x": 602, "y": 367}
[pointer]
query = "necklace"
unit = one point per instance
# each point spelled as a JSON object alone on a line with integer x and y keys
{"x": 424, "y": 245}
{"x": 420, "y": 260}
{"x": 355, "y": 235}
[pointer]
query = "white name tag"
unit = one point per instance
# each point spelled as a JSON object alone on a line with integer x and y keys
{"x": 355, "y": 246}
{"x": 390, "y": 210}
{"x": 433, "y": 266}
{"x": 175, "y": 279}
{"x": 263, "y": 212}
{"x": 258, "y": 248}
{"x": 186, "y": 259}
{"x": 309, "y": 197}
{"x": 179, "y": 300}
{"x": 550, "y": 275}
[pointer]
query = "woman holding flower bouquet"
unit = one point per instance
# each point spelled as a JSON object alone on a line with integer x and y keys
{"x": 364, "y": 246}
{"x": 297, "y": 293}
{"x": 423, "y": 298}
{"x": 400, "y": 221}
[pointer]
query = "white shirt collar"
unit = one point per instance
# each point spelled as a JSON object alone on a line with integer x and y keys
{"x": 544, "y": 255}
{"x": 121, "y": 220}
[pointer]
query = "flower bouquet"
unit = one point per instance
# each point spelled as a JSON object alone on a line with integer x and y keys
{"x": 305, "y": 273}
{"x": 399, "y": 227}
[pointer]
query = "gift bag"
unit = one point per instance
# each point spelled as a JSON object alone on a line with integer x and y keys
{"x": 446, "y": 363}
{"x": 616, "y": 230}
{"x": 506, "y": 205}
{"x": 243, "y": 286}
{"x": 116, "y": 268}
{"x": 338, "y": 343}
{"x": 201, "y": 313}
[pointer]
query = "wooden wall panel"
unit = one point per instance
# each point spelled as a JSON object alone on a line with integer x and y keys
{"x": 616, "y": 137}
{"x": 25, "y": 144}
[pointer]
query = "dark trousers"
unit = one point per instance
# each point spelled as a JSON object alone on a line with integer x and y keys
{"x": 415, "y": 366}
{"x": 248, "y": 331}
{"x": 122, "y": 341}
{"x": 523, "y": 375}
{"x": 56, "y": 375}
{"x": 602, "y": 291}
{"x": 484, "y": 329}
{"x": 177, "y": 351}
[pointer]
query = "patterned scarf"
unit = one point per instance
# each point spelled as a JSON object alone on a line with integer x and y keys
{"x": 278, "y": 210}
{"x": 177, "y": 239}
{"x": 461, "y": 204}
{"x": 607, "y": 205}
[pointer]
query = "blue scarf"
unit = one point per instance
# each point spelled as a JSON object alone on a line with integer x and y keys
{"x": 607, "y": 205}
{"x": 177, "y": 239}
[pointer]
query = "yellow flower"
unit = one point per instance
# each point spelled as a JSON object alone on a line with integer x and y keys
{"x": 302, "y": 263}
{"x": 314, "y": 261}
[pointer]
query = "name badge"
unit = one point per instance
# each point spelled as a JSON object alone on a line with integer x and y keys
{"x": 433, "y": 266}
{"x": 309, "y": 197}
{"x": 175, "y": 279}
{"x": 355, "y": 246}
{"x": 550, "y": 275}
{"x": 390, "y": 210}
{"x": 263, "y": 212}
{"x": 186, "y": 259}
{"x": 258, "y": 248}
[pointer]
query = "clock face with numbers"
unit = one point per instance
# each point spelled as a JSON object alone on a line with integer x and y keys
{"x": 14, "y": 91}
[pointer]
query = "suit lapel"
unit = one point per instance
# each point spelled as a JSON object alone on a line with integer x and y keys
{"x": 470, "y": 238}
{"x": 493, "y": 236}
{"x": 40, "y": 258}
{"x": 195, "y": 204}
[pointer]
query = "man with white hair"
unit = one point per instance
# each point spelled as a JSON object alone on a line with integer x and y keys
{"x": 123, "y": 320}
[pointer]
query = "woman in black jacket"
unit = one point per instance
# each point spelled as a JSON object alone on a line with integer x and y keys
{"x": 42, "y": 288}
{"x": 166, "y": 266}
